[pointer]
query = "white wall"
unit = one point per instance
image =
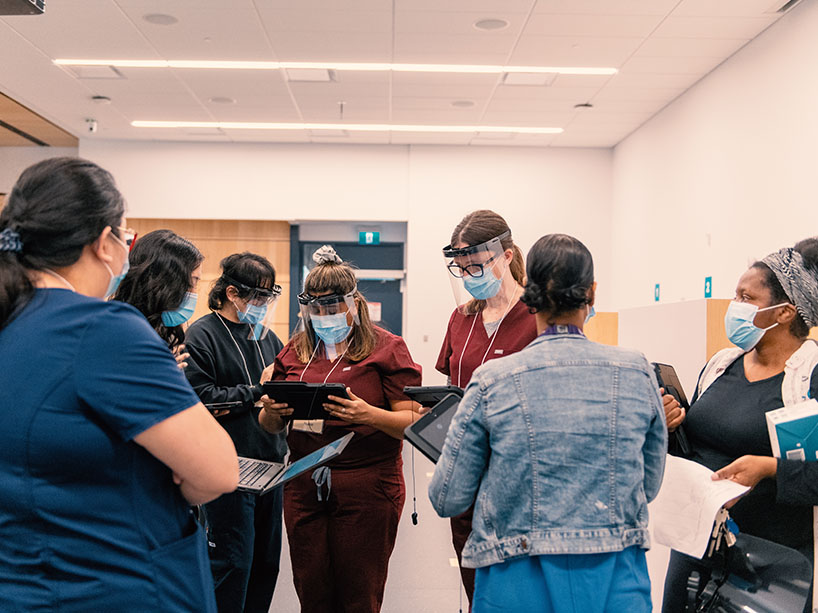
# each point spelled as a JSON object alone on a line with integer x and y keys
{"x": 430, "y": 188}
{"x": 14, "y": 160}
{"x": 724, "y": 175}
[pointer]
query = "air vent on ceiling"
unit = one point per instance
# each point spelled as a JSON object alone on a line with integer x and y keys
{"x": 529, "y": 78}
{"x": 95, "y": 72}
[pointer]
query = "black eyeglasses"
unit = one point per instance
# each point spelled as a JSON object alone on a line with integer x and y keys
{"x": 472, "y": 270}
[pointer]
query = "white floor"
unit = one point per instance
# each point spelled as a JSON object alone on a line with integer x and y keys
{"x": 422, "y": 577}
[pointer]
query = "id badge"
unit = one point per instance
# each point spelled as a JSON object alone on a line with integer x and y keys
{"x": 314, "y": 426}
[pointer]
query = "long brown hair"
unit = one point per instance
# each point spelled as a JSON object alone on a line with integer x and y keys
{"x": 337, "y": 277}
{"x": 481, "y": 226}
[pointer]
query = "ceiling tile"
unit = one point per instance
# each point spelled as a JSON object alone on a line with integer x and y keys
{"x": 714, "y": 27}
{"x": 573, "y": 51}
{"x": 228, "y": 33}
{"x": 626, "y": 26}
{"x": 335, "y": 46}
{"x": 605, "y": 7}
{"x": 491, "y": 6}
{"x": 727, "y": 8}
{"x": 690, "y": 47}
{"x": 456, "y": 23}
{"x": 83, "y": 29}
{"x": 326, "y": 20}
{"x": 670, "y": 65}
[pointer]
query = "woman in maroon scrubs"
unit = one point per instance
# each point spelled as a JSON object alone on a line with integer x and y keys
{"x": 488, "y": 275}
{"x": 342, "y": 519}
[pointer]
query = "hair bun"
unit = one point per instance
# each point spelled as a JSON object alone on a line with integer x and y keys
{"x": 326, "y": 255}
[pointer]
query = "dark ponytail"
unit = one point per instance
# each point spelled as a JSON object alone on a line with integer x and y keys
{"x": 56, "y": 208}
{"x": 560, "y": 275}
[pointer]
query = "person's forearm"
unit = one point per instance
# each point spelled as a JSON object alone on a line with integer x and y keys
{"x": 270, "y": 422}
{"x": 393, "y": 423}
{"x": 195, "y": 495}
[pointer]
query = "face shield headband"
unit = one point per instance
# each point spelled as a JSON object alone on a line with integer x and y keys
{"x": 255, "y": 295}
{"x": 477, "y": 272}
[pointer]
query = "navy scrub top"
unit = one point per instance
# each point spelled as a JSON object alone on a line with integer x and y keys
{"x": 89, "y": 520}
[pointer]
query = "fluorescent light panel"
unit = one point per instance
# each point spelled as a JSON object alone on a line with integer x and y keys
{"x": 357, "y": 66}
{"x": 351, "y": 127}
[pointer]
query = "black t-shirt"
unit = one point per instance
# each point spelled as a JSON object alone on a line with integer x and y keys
{"x": 217, "y": 373}
{"x": 727, "y": 422}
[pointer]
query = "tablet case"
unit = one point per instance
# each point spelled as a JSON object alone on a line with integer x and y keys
{"x": 429, "y": 432}
{"x": 306, "y": 399}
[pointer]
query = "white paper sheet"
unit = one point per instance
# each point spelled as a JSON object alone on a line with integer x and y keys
{"x": 682, "y": 514}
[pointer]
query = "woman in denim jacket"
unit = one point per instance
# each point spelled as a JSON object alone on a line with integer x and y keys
{"x": 560, "y": 447}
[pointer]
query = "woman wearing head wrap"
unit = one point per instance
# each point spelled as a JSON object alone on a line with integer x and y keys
{"x": 342, "y": 519}
{"x": 775, "y": 306}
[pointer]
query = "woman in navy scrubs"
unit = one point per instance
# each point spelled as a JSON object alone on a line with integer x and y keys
{"x": 104, "y": 445}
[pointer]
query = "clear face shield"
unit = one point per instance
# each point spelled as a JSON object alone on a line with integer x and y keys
{"x": 477, "y": 272}
{"x": 256, "y": 307}
{"x": 331, "y": 318}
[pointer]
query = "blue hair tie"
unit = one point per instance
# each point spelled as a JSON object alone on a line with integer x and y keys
{"x": 10, "y": 241}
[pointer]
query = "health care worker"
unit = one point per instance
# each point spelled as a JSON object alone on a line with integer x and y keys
{"x": 162, "y": 280}
{"x": 104, "y": 445}
{"x": 342, "y": 519}
{"x": 487, "y": 273}
{"x": 773, "y": 365}
{"x": 229, "y": 349}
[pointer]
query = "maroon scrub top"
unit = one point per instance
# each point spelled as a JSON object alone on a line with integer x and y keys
{"x": 378, "y": 378}
{"x": 516, "y": 331}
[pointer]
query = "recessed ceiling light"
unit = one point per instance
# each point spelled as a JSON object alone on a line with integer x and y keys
{"x": 340, "y": 66}
{"x": 160, "y": 19}
{"x": 221, "y": 100}
{"x": 463, "y": 104}
{"x": 352, "y": 127}
{"x": 100, "y": 100}
{"x": 491, "y": 24}
{"x": 584, "y": 105}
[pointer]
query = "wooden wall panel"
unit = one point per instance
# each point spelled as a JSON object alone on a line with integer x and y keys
{"x": 716, "y": 335}
{"x": 603, "y": 328}
{"x": 217, "y": 239}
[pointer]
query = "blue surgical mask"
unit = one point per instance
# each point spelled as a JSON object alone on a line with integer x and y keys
{"x": 332, "y": 329}
{"x": 178, "y": 316}
{"x": 482, "y": 288}
{"x": 113, "y": 284}
{"x": 252, "y": 314}
{"x": 738, "y": 323}
{"x": 591, "y": 313}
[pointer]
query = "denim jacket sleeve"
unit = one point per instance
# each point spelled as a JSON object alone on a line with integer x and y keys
{"x": 655, "y": 448}
{"x": 464, "y": 457}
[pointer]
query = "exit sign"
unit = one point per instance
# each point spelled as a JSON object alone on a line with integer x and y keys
{"x": 369, "y": 238}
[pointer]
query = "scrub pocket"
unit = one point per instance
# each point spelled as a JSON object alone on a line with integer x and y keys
{"x": 182, "y": 575}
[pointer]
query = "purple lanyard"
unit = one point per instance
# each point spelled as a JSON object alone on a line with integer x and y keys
{"x": 561, "y": 329}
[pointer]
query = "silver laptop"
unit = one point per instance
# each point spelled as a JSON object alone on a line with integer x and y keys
{"x": 259, "y": 476}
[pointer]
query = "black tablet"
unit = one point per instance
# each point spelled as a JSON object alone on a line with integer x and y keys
{"x": 667, "y": 378}
{"x": 430, "y": 395}
{"x": 429, "y": 432}
{"x": 307, "y": 399}
{"x": 231, "y": 407}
